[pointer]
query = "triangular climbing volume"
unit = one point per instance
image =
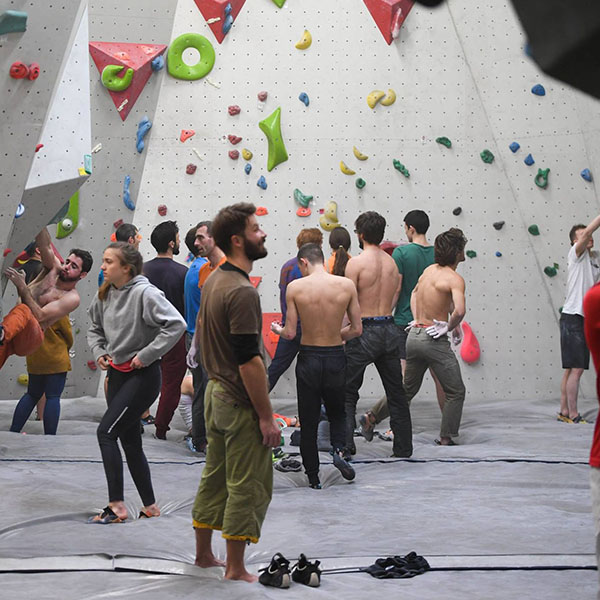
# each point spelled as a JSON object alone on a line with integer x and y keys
{"x": 389, "y": 15}
{"x": 135, "y": 56}
{"x": 215, "y": 9}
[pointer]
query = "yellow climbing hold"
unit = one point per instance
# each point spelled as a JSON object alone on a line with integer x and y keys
{"x": 359, "y": 154}
{"x": 345, "y": 169}
{"x": 305, "y": 40}
{"x": 329, "y": 220}
{"x": 374, "y": 97}
{"x": 246, "y": 154}
{"x": 389, "y": 99}
{"x": 23, "y": 379}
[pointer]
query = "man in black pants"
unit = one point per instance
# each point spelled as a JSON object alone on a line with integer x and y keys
{"x": 320, "y": 300}
{"x": 378, "y": 283}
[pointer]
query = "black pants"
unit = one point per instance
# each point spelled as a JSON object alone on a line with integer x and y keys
{"x": 379, "y": 344}
{"x": 200, "y": 381}
{"x": 128, "y": 396}
{"x": 285, "y": 353}
{"x": 320, "y": 374}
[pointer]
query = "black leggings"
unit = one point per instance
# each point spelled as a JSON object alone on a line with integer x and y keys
{"x": 128, "y": 396}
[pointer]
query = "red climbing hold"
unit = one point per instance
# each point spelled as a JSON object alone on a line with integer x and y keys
{"x": 303, "y": 212}
{"x": 234, "y": 109}
{"x": 118, "y": 223}
{"x": 255, "y": 281}
{"x": 234, "y": 154}
{"x": 388, "y": 247}
{"x": 113, "y": 237}
{"x": 386, "y": 16}
{"x": 18, "y": 70}
{"x": 270, "y": 339}
{"x": 262, "y": 96}
{"x": 190, "y": 169}
{"x": 215, "y": 9}
{"x": 186, "y": 134}
{"x": 162, "y": 210}
{"x": 92, "y": 365}
{"x": 234, "y": 139}
{"x": 34, "y": 71}
{"x": 469, "y": 349}
{"x": 39, "y": 147}
{"x": 261, "y": 211}
{"x": 7, "y": 251}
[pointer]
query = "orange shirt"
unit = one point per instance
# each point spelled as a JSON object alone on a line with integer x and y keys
{"x": 206, "y": 269}
{"x": 331, "y": 261}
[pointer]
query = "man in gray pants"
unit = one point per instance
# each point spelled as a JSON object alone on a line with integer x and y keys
{"x": 439, "y": 292}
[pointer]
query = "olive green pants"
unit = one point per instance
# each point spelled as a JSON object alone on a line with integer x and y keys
{"x": 237, "y": 481}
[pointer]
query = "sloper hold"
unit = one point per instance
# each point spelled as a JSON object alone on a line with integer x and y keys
{"x": 138, "y": 57}
{"x": 215, "y": 9}
{"x": 386, "y": 16}
{"x": 13, "y": 21}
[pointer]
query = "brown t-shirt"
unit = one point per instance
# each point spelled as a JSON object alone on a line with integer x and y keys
{"x": 230, "y": 305}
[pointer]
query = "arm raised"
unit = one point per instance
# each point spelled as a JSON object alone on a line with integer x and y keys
{"x": 44, "y": 244}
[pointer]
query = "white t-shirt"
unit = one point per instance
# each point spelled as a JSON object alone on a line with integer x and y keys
{"x": 582, "y": 274}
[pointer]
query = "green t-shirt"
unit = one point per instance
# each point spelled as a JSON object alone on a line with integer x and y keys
{"x": 411, "y": 260}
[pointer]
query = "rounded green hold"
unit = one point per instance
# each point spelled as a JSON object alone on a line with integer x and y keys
{"x": 400, "y": 167}
{"x": 178, "y": 69}
{"x": 360, "y": 183}
{"x": 534, "y": 230}
{"x": 111, "y": 81}
{"x": 471, "y": 253}
{"x": 444, "y": 141}
{"x": 302, "y": 199}
{"x": 487, "y": 157}
{"x": 541, "y": 179}
{"x": 550, "y": 271}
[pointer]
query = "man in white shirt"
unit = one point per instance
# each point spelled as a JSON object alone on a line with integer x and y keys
{"x": 583, "y": 265}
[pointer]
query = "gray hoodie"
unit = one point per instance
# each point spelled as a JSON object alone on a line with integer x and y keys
{"x": 134, "y": 319}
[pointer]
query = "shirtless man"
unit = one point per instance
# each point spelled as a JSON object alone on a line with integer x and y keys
{"x": 377, "y": 280}
{"x": 52, "y": 294}
{"x": 440, "y": 291}
{"x": 320, "y": 300}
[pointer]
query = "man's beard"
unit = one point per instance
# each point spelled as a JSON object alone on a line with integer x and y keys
{"x": 66, "y": 278}
{"x": 254, "y": 251}
{"x": 175, "y": 250}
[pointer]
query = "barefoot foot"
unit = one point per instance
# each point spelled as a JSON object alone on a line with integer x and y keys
{"x": 205, "y": 562}
{"x": 241, "y": 576}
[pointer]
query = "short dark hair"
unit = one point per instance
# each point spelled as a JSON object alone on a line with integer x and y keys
{"x": 372, "y": 226}
{"x": 417, "y": 219}
{"x": 125, "y": 231}
{"x": 163, "y": 234}
{"x": 207, "y": 224}
{"x": 231, "y": 220}
{"x": 339, "y": 237}
{"x": 448, "y": 246}
{"x": 86, "y": 258}
{"x": 190, "y": 238}
{"x": 574, "y": 230}
{"x": 312, "y": 253}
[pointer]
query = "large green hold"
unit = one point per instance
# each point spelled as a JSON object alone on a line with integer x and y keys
{"x": 71, "y": 219}
{"x": 279, "y": 3}
{"x": 271, "y": 127}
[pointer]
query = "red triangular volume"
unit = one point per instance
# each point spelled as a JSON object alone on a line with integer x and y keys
{"x": 255, "y": 281}
{"x": 270, "y": 339}
{"x": 386, "y": 16}
{"x": 469, "y": 349}
{"x": 215, "y": 9}
{"x": 137, "y": 56}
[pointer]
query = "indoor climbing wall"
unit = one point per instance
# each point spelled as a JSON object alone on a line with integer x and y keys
{"x": 459, "y": 72}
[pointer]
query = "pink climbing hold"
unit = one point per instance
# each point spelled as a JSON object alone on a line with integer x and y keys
{"x": 34, "y": 71}
{"x": 92, "y": 365}
{"x": 469, "y": 349}
{"x": 186, "y": 134}
{"x": 7, "y": 251}
{"x": 39, "y": 147}
{"x": 234, "y": 154}
{"x": 162, "y": 210}
{"x": 190, "y": 169}
{"x": 118, "y": 223}
{"x": 262, "y": 96}
{"x": 234, "y": 139}
{"x": 18, "y": 70}
{"x": 234, "y": 109}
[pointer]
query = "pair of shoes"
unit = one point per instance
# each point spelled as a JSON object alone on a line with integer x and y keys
{"x": 343, "y": 466}
{"x": 450, "y": 443}
{"x": 277, "y": 574}
{"x": 563, "y": 418}
{"x": 367, "y": 429}
{"x": 106, "y": 517}
{"x": 149, "y": 420}
{"x": 288, "y": 465}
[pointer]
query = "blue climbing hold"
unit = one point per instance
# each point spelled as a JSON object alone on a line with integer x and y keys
{"x": 228, "y": 9}
{"x": 227, "y": 24}
{"x": 498, "y": 254}
{"x": 514, "y": 147}
{"x": 248, "y": 168}
{"x": 20, "y": 211}
{"x": 527, "y": 50}
{"x": 13, "y": 21}
{"x": 143, "y": 128}
{"x": 126, "y": 195}
{"x": 303, "y": 97}
{"x": 157, "y": 63}
{"x": 538, "y": 90}
{"x": 586, "y": 174}
{"x": 529, "y": 160}
{"x": 262, "y": 182}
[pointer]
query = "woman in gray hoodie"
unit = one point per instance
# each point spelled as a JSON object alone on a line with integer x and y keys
{"x": 133, "y": 326}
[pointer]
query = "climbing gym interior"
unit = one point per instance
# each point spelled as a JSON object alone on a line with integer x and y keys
{"x": 146, "y": 110}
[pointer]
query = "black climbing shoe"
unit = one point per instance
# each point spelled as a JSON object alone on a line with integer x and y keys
{"x": 306, "y": 572}
{"x": 277, "y": 574}
{"x": 344, "y": 467}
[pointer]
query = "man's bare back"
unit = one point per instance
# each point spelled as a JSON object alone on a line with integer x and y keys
{"x": 439, "y": 291}
{"x": 375, "y": 274}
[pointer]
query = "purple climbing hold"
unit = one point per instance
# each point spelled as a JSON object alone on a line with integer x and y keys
{"x": 262, "y": 182}
{"x": 538, "y": 90}
{"x": 586, "y": 174}
{"x": 529, "y": 160}
{"x": 514, "y": 147}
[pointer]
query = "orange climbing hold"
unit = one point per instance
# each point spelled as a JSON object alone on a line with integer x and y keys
{"x": 270, "y": 339}
{"x": 303, "y": 212}
{"x": 186, "y": 134}
{"x": 255, "y": 281}
{"x": 469, "y": 349}
{"x": 261, "y": 211}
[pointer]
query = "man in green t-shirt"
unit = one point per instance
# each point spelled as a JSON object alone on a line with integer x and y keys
{"x": 411, "y": 259}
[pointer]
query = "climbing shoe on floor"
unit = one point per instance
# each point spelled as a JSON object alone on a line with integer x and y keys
{"x": 367, "y": 429}
{"x": 306, "y": 572}
{"x": 288, "y": 465}
{"x": 344, "y": 467}
{"x": 277, "y": 574}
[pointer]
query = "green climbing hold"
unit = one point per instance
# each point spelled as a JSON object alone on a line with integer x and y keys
{"x": 487, "y": 157}
{"x": 271, "y": 127}
{"x": 400, "y": 167}
{"x": 556, "y": 266}
{"x": 534, "y": 230}
{"x": 13, "y": 21}
{"x": 541, "y": 179}
{"x": 444, "y": 141}
{"x": 178, "y": 68}
{"x": 360, "y": 183}
{"x": 550, "y": 271}
{"x": 77, "y": 331}
{"x": 302, "y": 199}
{"x": 471, "y": 253}
{"x": 71, "y": 219}
{"x": 111, "y": 81}
{"x": 279, "y": 3}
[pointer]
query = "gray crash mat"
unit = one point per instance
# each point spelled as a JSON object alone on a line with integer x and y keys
{"x": 504, "y": 514}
